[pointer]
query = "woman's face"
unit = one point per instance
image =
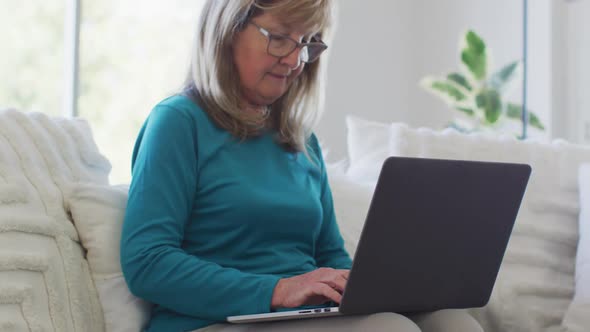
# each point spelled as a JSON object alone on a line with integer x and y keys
{"x": 263, "y": 77}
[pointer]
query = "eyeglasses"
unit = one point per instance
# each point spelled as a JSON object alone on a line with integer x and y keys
{"x": 281, "y": 46}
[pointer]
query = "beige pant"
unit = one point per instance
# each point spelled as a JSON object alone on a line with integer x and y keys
{"x": 439, "y": 321}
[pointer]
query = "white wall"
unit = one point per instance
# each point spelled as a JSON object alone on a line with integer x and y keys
{"x": 540, "y": 85}
{"x": 383, "y": 48}
{"x": 369, "y": 66}
{"x": 579, "y": 69}
{"x": 571, "y": 70}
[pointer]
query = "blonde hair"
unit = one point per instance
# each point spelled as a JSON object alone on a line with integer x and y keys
{"x": 213, "y": 77}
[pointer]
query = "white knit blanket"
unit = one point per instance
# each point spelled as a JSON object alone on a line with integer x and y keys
{"x": 45, "y": 284}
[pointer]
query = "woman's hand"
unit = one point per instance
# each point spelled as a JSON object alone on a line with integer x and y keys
{"x": 312, "y": 288}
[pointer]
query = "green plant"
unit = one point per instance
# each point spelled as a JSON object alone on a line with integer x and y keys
{"x": 479, "y": 97}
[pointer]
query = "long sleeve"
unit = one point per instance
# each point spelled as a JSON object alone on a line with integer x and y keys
{"x": 161, "y": 198}
{"x": 330, "y": 250}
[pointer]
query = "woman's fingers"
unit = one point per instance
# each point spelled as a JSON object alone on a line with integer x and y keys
{"x": 344, "y": 273}
{"x": 327, "y": 291}
{"x": 337, "y": 282}
{"x": 316, "y": 287}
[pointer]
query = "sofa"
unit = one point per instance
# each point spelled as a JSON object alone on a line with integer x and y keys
{"x": 60, "y": 224}
{"x": 544, "y": 280}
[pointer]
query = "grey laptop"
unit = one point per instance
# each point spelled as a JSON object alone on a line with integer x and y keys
{"x": 434, "y": 238}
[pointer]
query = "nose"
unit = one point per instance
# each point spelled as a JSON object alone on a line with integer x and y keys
{"x": 293, "y": 59}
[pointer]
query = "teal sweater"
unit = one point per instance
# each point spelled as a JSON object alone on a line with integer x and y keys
{"x": 213, "y": 223}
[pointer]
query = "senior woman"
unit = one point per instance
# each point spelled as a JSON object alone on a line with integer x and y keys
{"x": 229, "y": 208}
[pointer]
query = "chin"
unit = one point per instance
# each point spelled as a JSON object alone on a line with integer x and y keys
{"x": 272, "y": 97}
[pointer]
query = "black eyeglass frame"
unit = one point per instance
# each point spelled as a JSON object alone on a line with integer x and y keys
{"x": 297, "y": 45}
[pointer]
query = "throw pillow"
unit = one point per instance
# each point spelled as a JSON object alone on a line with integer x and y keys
{"x": 98, "y": 212}
{"x": 368, "y": 147}
{"x": 576, "y": 318}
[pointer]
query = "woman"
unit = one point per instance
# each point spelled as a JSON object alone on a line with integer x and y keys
{"x": 229, "y": 209}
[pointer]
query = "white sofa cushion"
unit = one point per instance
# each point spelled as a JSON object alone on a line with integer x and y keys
{"x": 583, "y": 255}
{"x": 351, "y": 204}
{"x": 577, "y": 317}
{"x": 45, "y": 282}
{"x": 536, "y": 282}
{"x": 98, "y": 212}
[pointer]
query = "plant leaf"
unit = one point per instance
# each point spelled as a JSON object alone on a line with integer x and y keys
{"x": 458, "y": 127}
{"x": 445, "y": 89}
{"x": 503, "y": 76}
{"x": 489, "y": 100}
{"x": 535, "y": 121}
{"x": 449, "y": 89}
{"x": 514, "y": 111}
{"x": 474, "y": 55}
{"x": 465, "y": 110}
{"x": 459, "y": 79}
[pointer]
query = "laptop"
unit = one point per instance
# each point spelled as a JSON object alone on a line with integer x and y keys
{"x": 434, "y": 238}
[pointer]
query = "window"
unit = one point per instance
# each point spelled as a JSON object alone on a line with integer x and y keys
{"x": 32, "y": 66}
{"x": 132, "y": 54}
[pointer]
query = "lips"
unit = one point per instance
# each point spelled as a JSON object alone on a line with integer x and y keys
{"x": 279, "y": 76}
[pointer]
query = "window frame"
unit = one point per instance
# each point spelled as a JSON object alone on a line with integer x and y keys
{"x": 72, "y": 58}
